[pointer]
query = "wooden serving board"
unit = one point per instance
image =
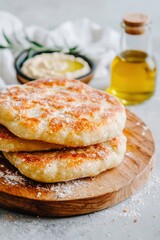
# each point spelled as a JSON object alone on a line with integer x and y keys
{"x": 85, "y": 195}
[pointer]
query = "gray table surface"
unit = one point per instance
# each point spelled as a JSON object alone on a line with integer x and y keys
{"x": 136, "y": 218}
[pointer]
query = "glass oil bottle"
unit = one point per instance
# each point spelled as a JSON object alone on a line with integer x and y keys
{"x": 133, "y": 71}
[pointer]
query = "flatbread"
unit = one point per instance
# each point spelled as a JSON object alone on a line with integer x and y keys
{"x": 68, "y": 164}
{"x": 61, "y": 111}
{"x": 11, "y": 143}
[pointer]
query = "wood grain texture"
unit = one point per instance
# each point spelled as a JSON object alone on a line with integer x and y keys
{"x": 84, "y": 195}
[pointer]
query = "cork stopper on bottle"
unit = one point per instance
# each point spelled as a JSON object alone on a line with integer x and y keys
{"x": 135, "y": 23}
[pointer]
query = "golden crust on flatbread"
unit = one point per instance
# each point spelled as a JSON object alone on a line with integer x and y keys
{"x": 11, "y": 143}
{"x": 68, "y": 164}
{"x": 61, "y": 111}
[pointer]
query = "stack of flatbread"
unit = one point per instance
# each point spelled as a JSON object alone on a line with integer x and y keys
{"x": 55, "y": 130}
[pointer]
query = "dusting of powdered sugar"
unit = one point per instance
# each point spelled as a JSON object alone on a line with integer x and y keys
{"x": 59, "y": 190}
{"x": 11, "y": 178}
{"x": 129, "y": 154}
{"x": 144, "y": 128}
{"x": 67, "y": 189}
{"x": 133, "y": 207}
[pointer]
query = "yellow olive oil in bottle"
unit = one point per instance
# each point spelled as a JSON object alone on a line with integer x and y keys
{"x": 133, "y": 71}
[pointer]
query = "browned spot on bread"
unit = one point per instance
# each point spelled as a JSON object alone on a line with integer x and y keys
{"x": 5, "y": 133}
{"x": 114, "y": 142}
{"x": 44, "y": 82}
{"x": 31, "y": 123}
{"x": 83, "y": 125}
{"x": 89, "y": 110}
{"x": 56, "y": 124}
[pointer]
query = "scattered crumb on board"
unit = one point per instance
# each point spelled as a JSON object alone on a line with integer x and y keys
{"x": 144, "y": 128}
{"x": 66, "y": 189}
{"x": 131, "y": 209}
{"x": 11, "y": 178}
{"x": 60, "y": 190}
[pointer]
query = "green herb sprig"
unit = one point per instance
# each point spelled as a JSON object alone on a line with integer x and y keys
{"x": 34, "y": 46}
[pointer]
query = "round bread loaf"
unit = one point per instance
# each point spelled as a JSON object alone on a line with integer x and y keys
{"x": 61, "y": 111}
{"x": 68, "y": 164}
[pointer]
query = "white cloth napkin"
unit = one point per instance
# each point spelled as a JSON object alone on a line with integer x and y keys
{"x": 99, "y": 43}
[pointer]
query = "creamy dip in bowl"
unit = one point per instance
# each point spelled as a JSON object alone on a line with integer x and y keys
{"x": 53, "y": 64}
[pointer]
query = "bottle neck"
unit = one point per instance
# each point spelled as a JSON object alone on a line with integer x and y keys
{"x": 139, "y": 42}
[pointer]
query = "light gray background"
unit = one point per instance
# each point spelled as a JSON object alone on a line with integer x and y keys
{"x": 112, "y": 223}
{"x": 50, "y": 13}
